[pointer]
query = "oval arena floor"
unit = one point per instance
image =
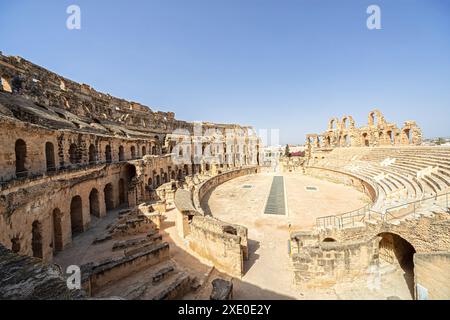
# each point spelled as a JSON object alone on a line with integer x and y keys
{"x": 243, "y": 201}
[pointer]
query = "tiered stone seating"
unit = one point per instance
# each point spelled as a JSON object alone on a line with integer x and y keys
{"x": 402, "y": 174}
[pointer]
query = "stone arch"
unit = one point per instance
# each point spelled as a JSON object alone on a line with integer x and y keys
{"x": 73, "y": 154}
{"x": 36, "y": 239}
{"x": 158, "y": 180}
{"x": 15, "y": 244}
{"x": 346, "y": 140}
{"x": 186, "y": 170}
{"x": 121, "y": 154}
{"x": 165, "y": 177}
{"x": 172, "y": 175}
{"x": 94, "y": 203}
{"x": 333, "y": 123}
{"x": 92, "y": 154}
{"x": 108, "y": 155}
{"x": 390, "y": 136}
{"x": 365, "y": 139}
{"x": 109, "y": 197}
{"x": 150, "y": 182}
{"x": 375, "y": 118}
{"x": 396, "y": 250}
{"x": 122, "y": 195}
{"x": 407, "y": 136}
{"x": 133, "y": 152}
{"x": 144, "y": 151}
{"x": 21, "y": 155}
{"x": 50, "y": 156}
{"x": 76, "y": 215}
{"x": 57, "y": 230}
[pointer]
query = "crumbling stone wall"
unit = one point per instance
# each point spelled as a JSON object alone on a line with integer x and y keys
{"x": 378, "y": 132}
{"x": 318, "y": 262}
{"x": 69, "y": 152}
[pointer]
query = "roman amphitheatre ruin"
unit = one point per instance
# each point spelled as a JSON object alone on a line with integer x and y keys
{"x": 152, "y": 207}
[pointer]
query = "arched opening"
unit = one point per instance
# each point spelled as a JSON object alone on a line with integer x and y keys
{"x": 15, "y": 245}
{"x": 108, "y": 156}
{"x": 165, "y": 177}
{"x": 73, "y": 154}
{"x": 92, "y": 154}
{"x": 158, "y": 180}
{"x": 391, "y": 136}
{"x": 365, "y": 139}
{"x": 154, "y": 150}
{"x": 150, "y": 182}
{"x": 121, "y": 192}
{"x": 347, "y": 140}
{"x": 332, "y": 124}
{"x": 395, "y": 250}
{"x": 133, "y": 152}
{"x": 372, "y": 119}
{"x": 180, "y": 174}
{"x": 344, "y": 123}
{"x": 76, "y": 215}
{"x": 144, "y": 151}
{"x": 50, "y": 157}
{"x": 186, "y": 170}
{"x": 21, "y": 154}
{"x": 407, "y": 135}
{"x": 36, "y": 240}
{"x": 207, "y": 167}
{"x": 121, "y": 154}
{"x": 109, "y": 197}
{"x": 172, "y": 175}
{"x": 94, "y": 204}
{"x": 57, "y": 231}
{"x": 329, "y": 240}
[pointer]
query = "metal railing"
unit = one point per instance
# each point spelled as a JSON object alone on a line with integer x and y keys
{"x": 345, "y": 219}
{"x": 400, "y": 211}
{"x": 360, "y": 215}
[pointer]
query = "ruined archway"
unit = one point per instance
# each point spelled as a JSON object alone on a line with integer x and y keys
{"x": 57, "y": 231}
{"x": 73, "y": 154}
{"x": 94, "y": 203}
{"x": 108, "y": 155}
{"x": 365, "y": 139}
{"x": 21, "y": 154}
{"x": 144, "y": 151}
{"x": 395, "y": 250}
{"x": 36, "y": 240}
{"x": 133, "y": 152}
{"x": 122, "y": 196}
{"x": 76, "y": 215}
{"x": 121, "y": 154}
{"x": 50, "y": 157}
{"x": 92, "y": 154}
{"x": 109, "y": 197}
{"x": 407, "y": 138}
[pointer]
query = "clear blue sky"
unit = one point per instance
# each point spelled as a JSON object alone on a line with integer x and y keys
{"x": 271, "y": 64}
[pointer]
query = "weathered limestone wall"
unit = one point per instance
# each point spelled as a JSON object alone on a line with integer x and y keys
{"x": 432, "y": 272}
{"x": 219, "y": 243}
{"x": 224, "y": 244}
{"x": 327, "y": 263}
{"x": 352, "y": 251}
